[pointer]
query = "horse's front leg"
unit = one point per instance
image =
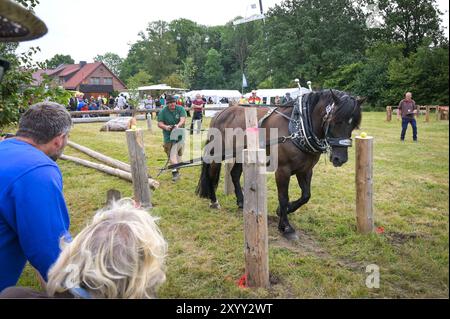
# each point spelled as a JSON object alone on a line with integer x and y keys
{"x": 236, "y": 173}
{"x": 282, "y": 178}
{"x": 304, "y": 181}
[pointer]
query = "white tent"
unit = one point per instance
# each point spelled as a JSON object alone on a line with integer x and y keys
{"x": 270, "y": 94}
{"x": 159, "y": 87}
{"x": 219, "y": 98}
{"x": 215, "y": 95}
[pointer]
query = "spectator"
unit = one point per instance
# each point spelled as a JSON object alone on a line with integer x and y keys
{"x": 33, "y": 212}
{"x": 254, "y": 99}
{"x": 407, "y": 110}
{"x": 171, "y": 120}
{"x": 121, "y": 102}
{"x": 243, "y": 100}
{"x": 198, "y": 105}
{"x": 111, "y": 102}
{"x": 277, "y": 100}
{"x": 287, "y": 99}
{"x": 120, "y": 254}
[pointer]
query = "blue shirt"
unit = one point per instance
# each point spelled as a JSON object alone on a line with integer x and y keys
{"x": 33, "y": 213}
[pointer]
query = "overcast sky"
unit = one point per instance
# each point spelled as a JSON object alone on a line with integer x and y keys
{"x": 85, "y": 28}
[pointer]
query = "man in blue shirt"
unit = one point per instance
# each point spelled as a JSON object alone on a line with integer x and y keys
{"x": 33, "y": 212}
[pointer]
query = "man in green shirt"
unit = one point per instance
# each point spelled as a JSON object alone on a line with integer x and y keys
{"x": 171, "y": 120}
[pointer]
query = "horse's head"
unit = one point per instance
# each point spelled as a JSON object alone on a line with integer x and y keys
{"x": 343, "y": 116}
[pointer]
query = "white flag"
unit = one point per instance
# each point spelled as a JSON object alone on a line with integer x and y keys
{"x": 244, "y": 81}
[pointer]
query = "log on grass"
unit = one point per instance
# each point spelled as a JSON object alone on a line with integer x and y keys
{"x": 101, "y": 157}
{"x": 108, "y": 170}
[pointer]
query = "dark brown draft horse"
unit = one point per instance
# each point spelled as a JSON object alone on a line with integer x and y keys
{"x": 323, "y": 123}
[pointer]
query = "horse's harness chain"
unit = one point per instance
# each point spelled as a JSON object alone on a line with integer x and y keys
{"x": 300, "y": 128}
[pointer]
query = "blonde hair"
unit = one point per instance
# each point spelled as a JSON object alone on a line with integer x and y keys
{"x": 119, "y": 255}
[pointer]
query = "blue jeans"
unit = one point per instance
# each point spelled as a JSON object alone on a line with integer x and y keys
{"x": 405, "y": 122}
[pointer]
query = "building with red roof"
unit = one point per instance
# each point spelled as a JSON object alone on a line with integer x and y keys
{"x": 93, "y": 79}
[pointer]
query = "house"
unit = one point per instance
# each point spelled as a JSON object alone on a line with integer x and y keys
{"x": 92, "y": 79}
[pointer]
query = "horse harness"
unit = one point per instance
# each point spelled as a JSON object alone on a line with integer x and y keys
{"x": 300, "y": 129}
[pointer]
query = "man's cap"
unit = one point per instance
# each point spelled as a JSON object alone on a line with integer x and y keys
{"x": 171, "y": 99}
{"x": 19, "y": 24}
{"x": 254, "y": 91}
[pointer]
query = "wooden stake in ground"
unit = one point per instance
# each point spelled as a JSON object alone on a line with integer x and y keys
{"x": 388, "y": 113}
{"x": 427, "y": 114}
{"x": 138, "y": 162}
{"x": 255, "y": 206}
{"x": 364, "y": 184}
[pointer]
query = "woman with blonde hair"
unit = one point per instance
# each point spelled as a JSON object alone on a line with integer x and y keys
{"x": 119, "y": 255}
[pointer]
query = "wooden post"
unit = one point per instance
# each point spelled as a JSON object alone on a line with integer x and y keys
{"x": 427, "y": 114}
{"x": 112, "y": 195}
{"x": 438, "y": 113}
{"x": 255, "y": 206}
{"x": 138, "y": 162}
{"x": 228, "y": 183}
{"x": 388, "y": 113}
{"x": 364, "y": 184}
{"x": 149, "y": 123}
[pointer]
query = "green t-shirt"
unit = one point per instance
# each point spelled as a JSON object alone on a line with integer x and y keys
{"x": 169, "y": 117}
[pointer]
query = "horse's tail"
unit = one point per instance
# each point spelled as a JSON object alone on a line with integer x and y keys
{"x": 209, "y": 180}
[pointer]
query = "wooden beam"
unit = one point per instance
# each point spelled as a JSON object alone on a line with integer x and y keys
{"x": 138, "y": 162}
{"x": 107, "y": 169}
{"x": 364, "y": 184}
{"x": 256, "y": 244}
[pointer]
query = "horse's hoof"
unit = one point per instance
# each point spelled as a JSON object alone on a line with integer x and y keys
{"x": 291, "y": 236}
{"x": 240, "y": 205}
{"x": 215, "y": 205}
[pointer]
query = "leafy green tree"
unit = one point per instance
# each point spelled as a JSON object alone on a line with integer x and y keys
{"x": 309, "y": 40}
{"x": 59, "y": 59}
{"x": 182, "y": 30}
{"x": 112, "y": 60}
{"x": 174, "y": 80}
{"x": 213, "y": 70}
{"x": 135, "y": 60}
{"x": 425, "y": 73}
{"x": 412, "y": 23}
{"x": 141, "y": 78}
{"x": 161, "y": 55}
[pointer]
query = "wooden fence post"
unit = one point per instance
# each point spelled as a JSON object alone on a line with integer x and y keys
{"x": 364, "y": 184}
{"x": 427, "y": 114}
{"x": 388, "y": 113}
{"x": 138, "y": 162}
{"x": 149, "y": 122}
{"x": 256, "y": 244}
{"x": 112, "y": 195}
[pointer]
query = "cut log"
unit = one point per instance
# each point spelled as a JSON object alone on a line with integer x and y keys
{"x": 101, "y": 157}
{"x": 108, "y": 170}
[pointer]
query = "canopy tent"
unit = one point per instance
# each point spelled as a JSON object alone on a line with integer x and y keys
{"x": 159, "y": 87}
{"x": 215, "y": 95}
{"x": 270, "y": 94}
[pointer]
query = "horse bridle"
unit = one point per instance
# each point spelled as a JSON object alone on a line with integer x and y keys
{"x": 307, "y": 139}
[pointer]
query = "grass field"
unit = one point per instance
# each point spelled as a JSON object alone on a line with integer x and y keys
{"x": 205, "y": 258}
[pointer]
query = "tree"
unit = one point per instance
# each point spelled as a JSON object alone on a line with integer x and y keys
{"x": 112, "y": 60}
{"x": 309, "y": 40}
{"x": 59, "y": 59}
{"x": 425, "y": 73}
{"x": 213, "y": 70}
{"x": 411, "y": 22}
{"x": 161, "y": 54}
{"x": 134, "y": 62}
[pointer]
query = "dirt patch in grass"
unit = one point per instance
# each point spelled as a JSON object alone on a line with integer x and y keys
{"x": 306, "y": 245}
